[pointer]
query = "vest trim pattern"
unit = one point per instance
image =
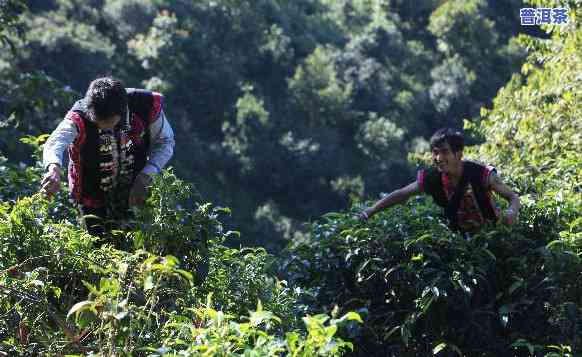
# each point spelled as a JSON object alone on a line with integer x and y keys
{"x": 75, "y": 170}
{"x": 103, "y": 164}
{"x": 474, "y": 174}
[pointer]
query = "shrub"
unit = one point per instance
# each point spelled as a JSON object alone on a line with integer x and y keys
{"x": 420, "y": 286}
{"x": 63, "y": 292}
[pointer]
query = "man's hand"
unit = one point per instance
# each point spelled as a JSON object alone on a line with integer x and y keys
{"x": 366, "y": 214}
{"x": 510, "y": 216}
{"x": 393, "y": 198}
{"x": 51, "y": 180}
{"x": 139, "y": 191}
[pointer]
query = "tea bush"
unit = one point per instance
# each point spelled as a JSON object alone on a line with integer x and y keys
{"x": 63, "y": 291}
{"x": 425, "y": 290}
{"x": 422, "y": 288}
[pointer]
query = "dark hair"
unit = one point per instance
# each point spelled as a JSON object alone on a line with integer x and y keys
{"x": 448, "y": 135}
{"x": 106, "y": 97}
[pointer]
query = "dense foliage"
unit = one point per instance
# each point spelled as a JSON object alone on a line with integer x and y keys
{"x": 421, "y": 287}
{"x": 282, "y": 108}
{"x": 534, "y": 130}
{"x": 506, "y": 291}
{"x": 64, "y": 292}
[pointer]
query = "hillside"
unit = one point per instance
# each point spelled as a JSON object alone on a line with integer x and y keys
{"x": 306, "y": 85}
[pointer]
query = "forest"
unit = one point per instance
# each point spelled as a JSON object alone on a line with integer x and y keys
{"x": 290, "y": 117}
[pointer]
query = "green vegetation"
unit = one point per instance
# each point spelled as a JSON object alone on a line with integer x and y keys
{"x": 285, "y": 110}
{"x": 419, "y": 286}
{"x": 294, "y": 100}
{"x": 507, "y": 291}
{"x": 62, "y": 293}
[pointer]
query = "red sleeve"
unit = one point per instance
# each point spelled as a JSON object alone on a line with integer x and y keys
{"x": 420, "y": 179}
{"x": 156, "y": 107}
{"x": 80, "y": 124}
{"x": 487, "y": 171}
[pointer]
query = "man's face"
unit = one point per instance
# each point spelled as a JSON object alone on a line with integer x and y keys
{"x": 444, "y": 158}
{"x": 108, "y": 123}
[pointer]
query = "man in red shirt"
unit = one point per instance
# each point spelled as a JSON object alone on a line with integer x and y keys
{"x": 462, "y": 188}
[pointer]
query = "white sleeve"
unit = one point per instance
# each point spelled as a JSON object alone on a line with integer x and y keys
{"x": 55, "y": 146}
{"x": 161, "y": 145}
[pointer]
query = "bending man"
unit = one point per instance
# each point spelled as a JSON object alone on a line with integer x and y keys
{"x": 116, "y": 139}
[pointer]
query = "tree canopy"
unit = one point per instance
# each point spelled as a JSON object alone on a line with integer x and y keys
{"x": 302, "y": 103}
{"x": 289, "y": 116}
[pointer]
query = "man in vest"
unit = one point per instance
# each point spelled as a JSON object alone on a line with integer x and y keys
{"x": 116, "y": 139}
{"x": 462, "y": 188}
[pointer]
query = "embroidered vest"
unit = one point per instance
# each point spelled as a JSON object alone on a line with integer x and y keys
{"x": 473, "y": 173}
{"x": 90, "y": 162}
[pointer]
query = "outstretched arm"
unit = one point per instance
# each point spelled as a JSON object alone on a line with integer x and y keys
{"x": 497, "y": 185}
{"x": 393, "y": 198}
{"x": 64, "y": 135}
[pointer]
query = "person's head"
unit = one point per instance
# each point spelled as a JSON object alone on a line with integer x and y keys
{"x": 106, "y": 100}
{"x": 447, "y": 146}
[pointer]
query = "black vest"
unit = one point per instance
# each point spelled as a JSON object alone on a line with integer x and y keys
{"x": 473, "y": 174}
{"x": 140, "y": 105}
